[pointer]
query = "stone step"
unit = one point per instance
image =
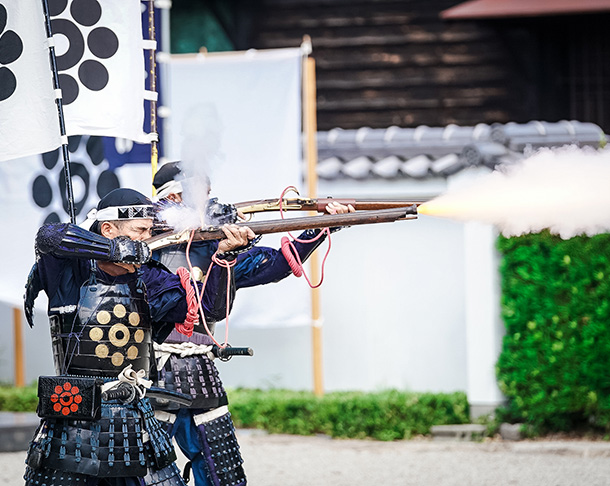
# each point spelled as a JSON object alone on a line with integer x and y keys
{"x": 17, "y": 430}
{"x": 458, "y": 432}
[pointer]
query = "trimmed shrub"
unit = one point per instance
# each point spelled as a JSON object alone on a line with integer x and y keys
{"x": 387, "y": 415}
{"x": 18, "y": 399}
{"x": 555, "y": 363}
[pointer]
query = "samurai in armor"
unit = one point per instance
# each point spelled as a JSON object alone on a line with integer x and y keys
{"x": 108, "y": 303}
{"x": 204, "y": 430}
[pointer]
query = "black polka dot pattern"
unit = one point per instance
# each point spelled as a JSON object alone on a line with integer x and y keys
{"x": 11, "y": 48}
{"x": 88, "y": 173}
{"x": 100, "y": 42}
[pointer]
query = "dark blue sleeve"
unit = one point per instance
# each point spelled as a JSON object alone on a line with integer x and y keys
{"x": 62, "y": 278}
{"x": 167, "y": 297}
{"x": 262, "y": 265}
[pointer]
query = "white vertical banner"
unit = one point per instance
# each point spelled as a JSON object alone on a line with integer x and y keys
{"x": 237, "y": 116}
{"x": 29, "y": 122}
{"x": 100, "y": 59}
{"x": 21, "y": 219}
{"x": 245, "y": 111}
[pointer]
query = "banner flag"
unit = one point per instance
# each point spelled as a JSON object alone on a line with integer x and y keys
{"x": 28, "y": 112}
{"x": 238, "y": 115}
{"x": 100, "y": 58}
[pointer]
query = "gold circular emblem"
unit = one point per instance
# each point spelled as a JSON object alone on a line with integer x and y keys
{"x": 139, "y": 336}
{"x": 117, "y": 359}
{"x": 103, "y": 317}
{"x": 132, "y": 352}
{"x": 119, "y": 335}
{"x": 198, "y": 274}
{"x": 134, "y": 318}
{"x": 96, "y": 334}
{"x": 101, "y": 351}
{"x": 119, "y": 311}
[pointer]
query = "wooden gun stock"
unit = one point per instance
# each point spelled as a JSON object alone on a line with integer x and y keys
{"x": 291, "y": 224}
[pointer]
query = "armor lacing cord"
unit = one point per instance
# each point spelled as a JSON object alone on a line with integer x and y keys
{"x": 132, "y": 377}
{"x": 165, "y": 350}
{"x": 223, "y": 263}
{"x": 188, "y": 325}
{"x": 292, "y": 255}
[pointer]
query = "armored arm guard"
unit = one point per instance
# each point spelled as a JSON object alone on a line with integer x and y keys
{"x": 69, "y": 240}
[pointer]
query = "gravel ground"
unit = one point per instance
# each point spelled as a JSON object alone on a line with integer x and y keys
{"x": 278, "y": 460}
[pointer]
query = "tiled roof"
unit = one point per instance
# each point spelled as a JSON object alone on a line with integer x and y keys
{"x": 430, "y": 152}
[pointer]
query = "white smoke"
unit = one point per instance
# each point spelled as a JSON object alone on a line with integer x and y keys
{"x": 565, "y": 190}
{"x": 201, "y": 133}
{"x": 181, "y": 218}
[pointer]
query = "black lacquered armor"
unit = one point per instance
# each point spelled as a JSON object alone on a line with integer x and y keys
{"x": 110, "y": 330}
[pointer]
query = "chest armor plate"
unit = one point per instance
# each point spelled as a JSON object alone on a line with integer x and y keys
{"x": 110, "y": 330}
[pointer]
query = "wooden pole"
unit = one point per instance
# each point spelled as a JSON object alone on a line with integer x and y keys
{"x": 154, "y": 147}
{"x": 19, "y": 354}
{"x": 311, "y": 151}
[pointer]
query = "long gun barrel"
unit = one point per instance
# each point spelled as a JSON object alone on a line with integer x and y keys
{"x": 291, "y": 224}
{"x": 319, "y": 204}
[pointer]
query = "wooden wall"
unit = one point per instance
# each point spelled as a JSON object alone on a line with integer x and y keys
{"x": 396, "y": 62}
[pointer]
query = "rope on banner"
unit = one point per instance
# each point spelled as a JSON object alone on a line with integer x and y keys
{"x": 60, "y": 112}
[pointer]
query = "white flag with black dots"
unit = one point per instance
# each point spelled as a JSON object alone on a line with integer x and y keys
{"x": 100, "y": 59}
{"x": 28, "y": 113}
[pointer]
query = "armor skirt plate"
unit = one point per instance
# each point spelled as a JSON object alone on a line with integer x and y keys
{"x": 126, "y": 441}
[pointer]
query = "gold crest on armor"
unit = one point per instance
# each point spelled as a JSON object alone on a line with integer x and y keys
{"x": 103, "y": 317}
{"x": 119, "y": 311}
{"x": 117, "y": 323}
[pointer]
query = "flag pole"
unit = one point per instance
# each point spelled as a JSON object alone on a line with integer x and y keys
{"x": 18, "y": 348}
{"x": 154, "y": 144}
{"x": 60, "y": 112}
{"x": 311, "y": 152}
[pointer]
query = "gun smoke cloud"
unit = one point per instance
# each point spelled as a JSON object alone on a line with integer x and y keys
{"x": 565, "y": 190}
{"x": 201, "y": 133}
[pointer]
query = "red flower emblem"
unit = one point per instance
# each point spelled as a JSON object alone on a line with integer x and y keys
{"x": 66, "y": 398}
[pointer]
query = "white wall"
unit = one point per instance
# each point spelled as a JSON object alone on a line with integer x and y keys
{"x": 393, "y": 308}
{"x": 37, "y": 345}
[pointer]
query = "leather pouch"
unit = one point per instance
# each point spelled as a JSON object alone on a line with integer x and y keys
{"x": 69, "y": 397}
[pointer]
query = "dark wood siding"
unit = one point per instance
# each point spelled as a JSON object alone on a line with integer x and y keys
{"x": 383, "y": 63}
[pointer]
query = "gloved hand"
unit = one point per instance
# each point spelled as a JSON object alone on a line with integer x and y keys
{"x": 125, "y": 250}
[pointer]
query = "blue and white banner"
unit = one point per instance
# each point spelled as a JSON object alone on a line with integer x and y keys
{"x": 28, "y": 112}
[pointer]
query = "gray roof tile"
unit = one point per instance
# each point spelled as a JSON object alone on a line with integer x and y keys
{"x": 431, "y": 152}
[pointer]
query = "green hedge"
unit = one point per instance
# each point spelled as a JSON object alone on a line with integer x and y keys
{"x": 386, "y": 415}
{"x": 555, "y": 363}
{"x": 18, "y": 399}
